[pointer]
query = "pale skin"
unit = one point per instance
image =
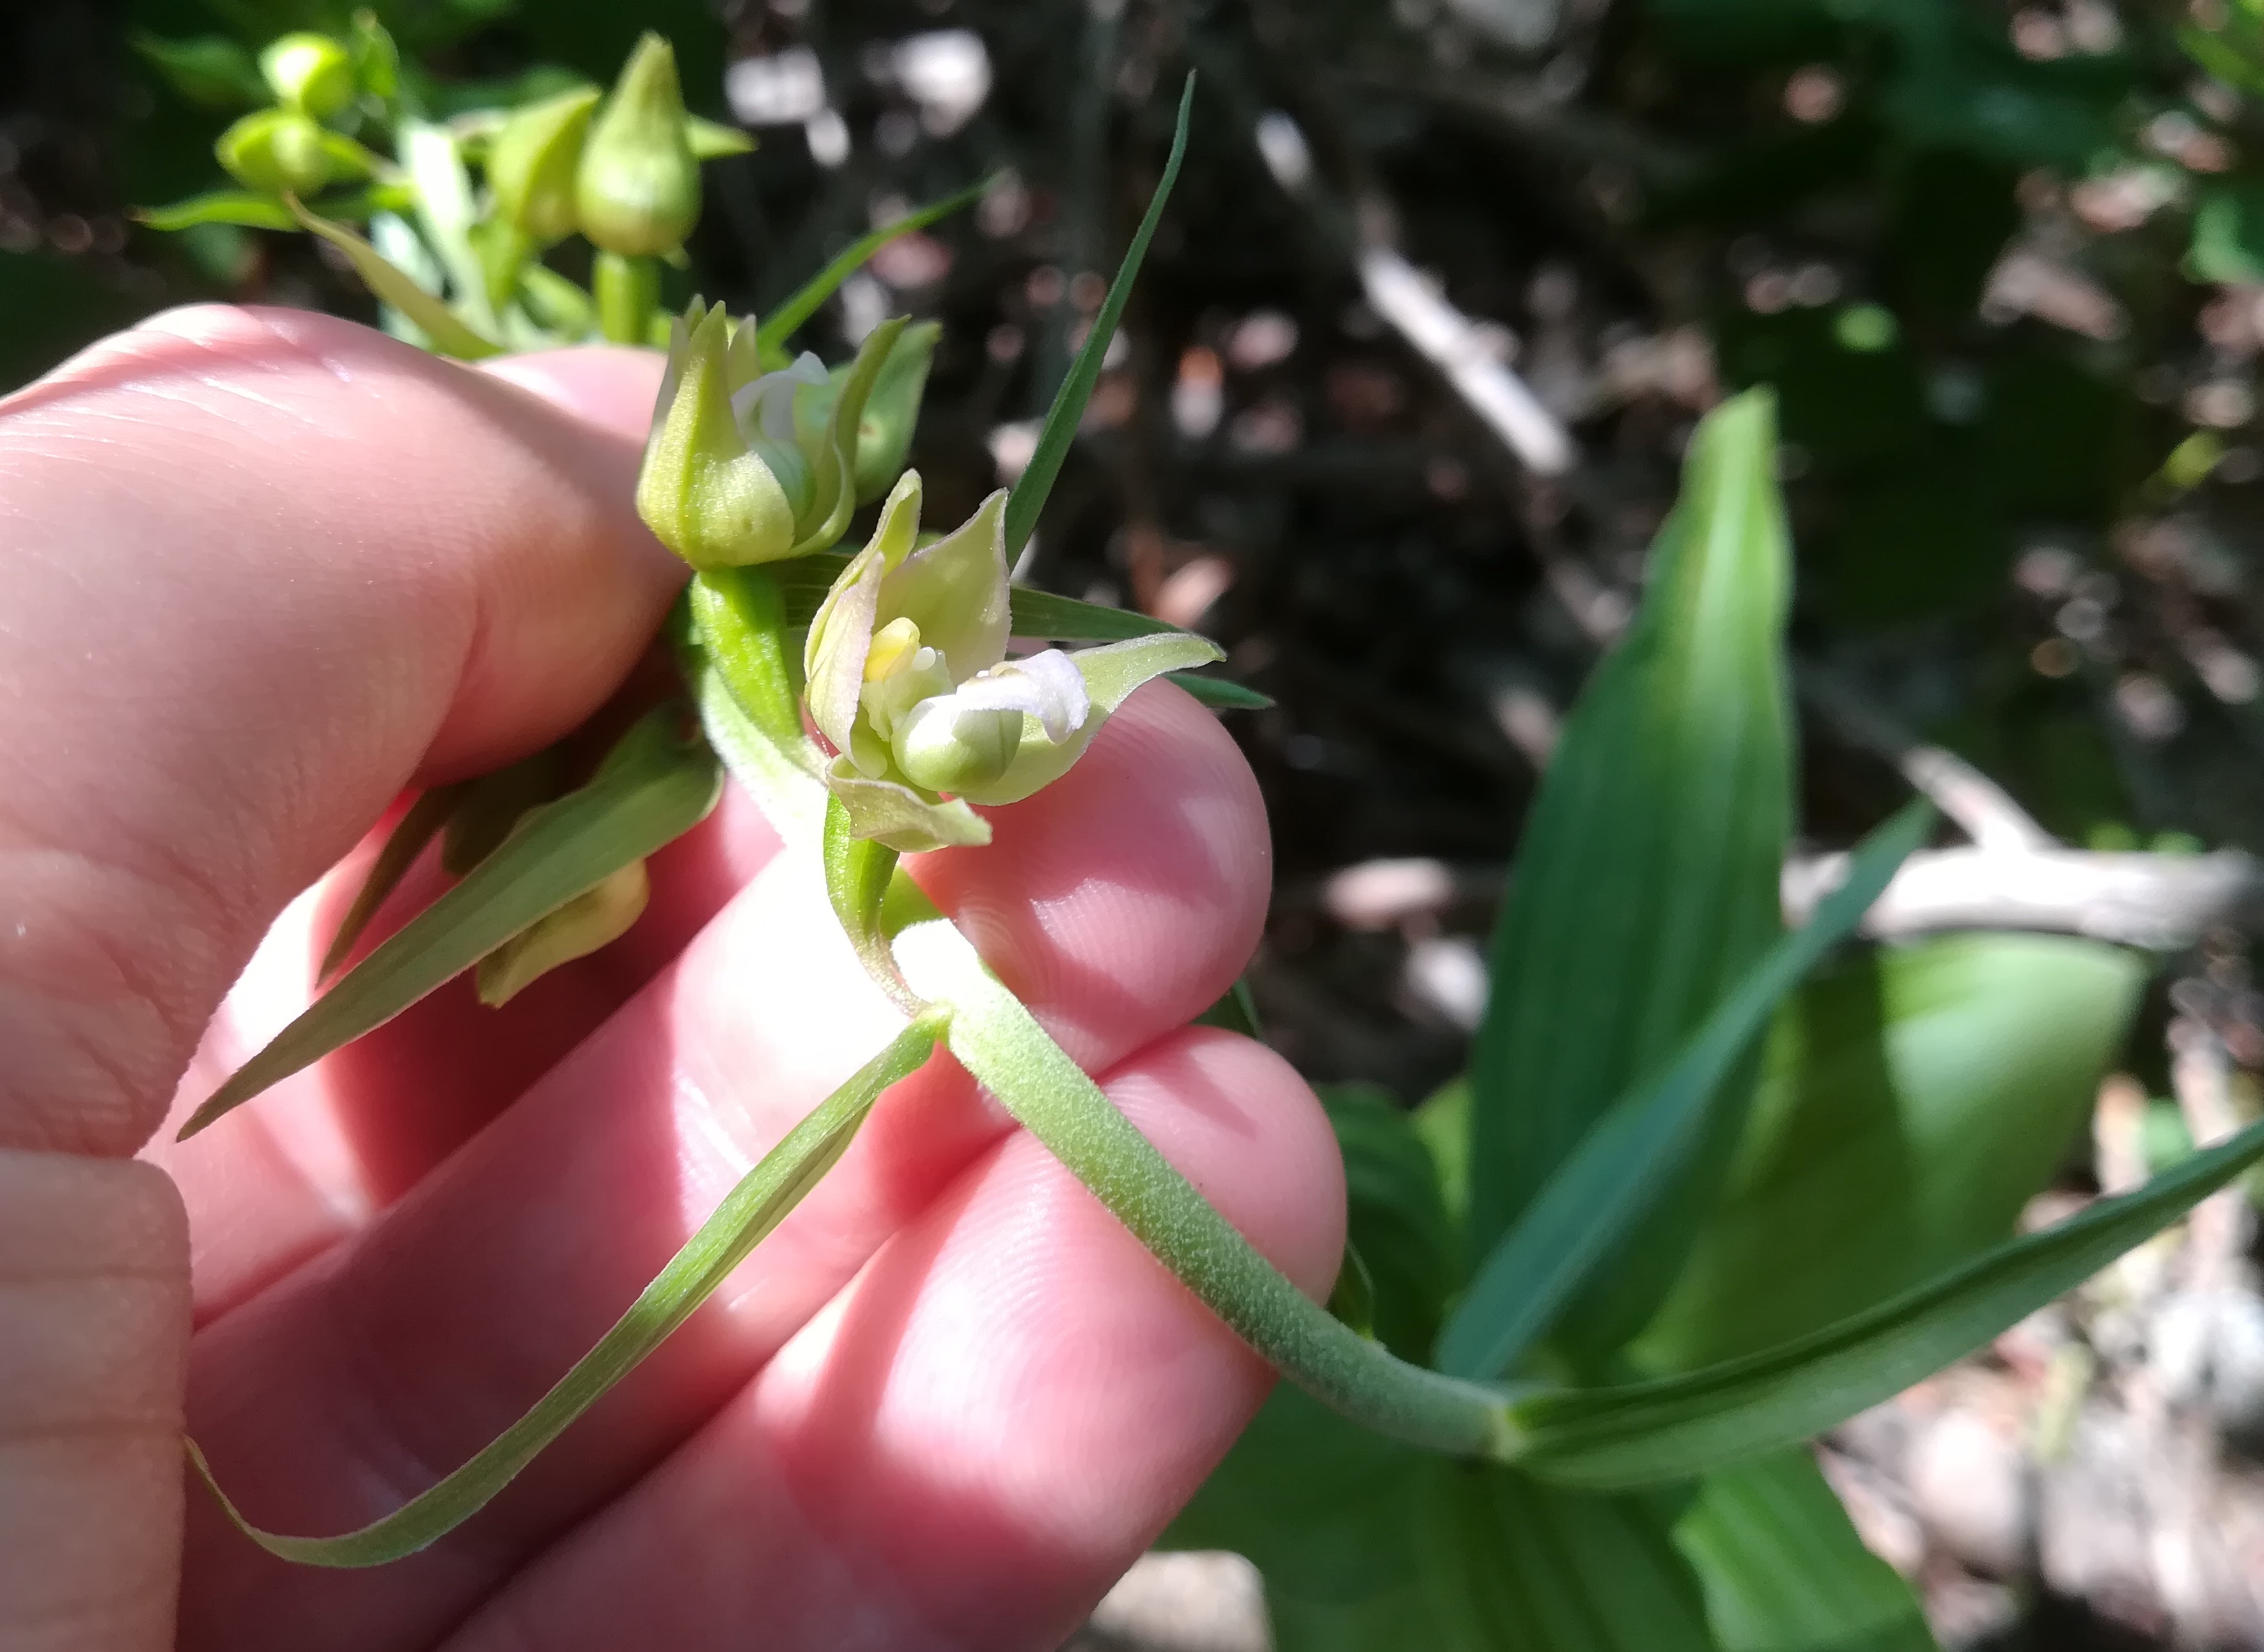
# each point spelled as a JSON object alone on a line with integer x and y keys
{"x": 259, "y": 573}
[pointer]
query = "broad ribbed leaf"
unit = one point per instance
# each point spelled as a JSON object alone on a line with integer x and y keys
{"x": 1685, "y": 1425}
{"x": 1515, "y": 1565}
{"x": 1068, "y": 409}
{"x": 1635, "y": 1152}
{"x": 1395, "y": 1218}
{"x": 764, "y": 1198}
{"x": 1914, "y": 1100}
{"x": 1646, "y": 881}
{"x": 655, "y": 787}
{"x": 1783, "y": 1569}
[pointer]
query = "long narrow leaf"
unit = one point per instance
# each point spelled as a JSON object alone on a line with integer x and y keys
{"x": 655, "y": 788}
{"x": 1742, "y": 1409}
{"x": 1646, "y": 881}
{"x": 1613, "y": 1178}
{"x": 450, "y": 335}
{"x": 1060, "y": 429}
{"x": 785, "y": 319}
{"x": 418, "y": 827}
{"x": 764, "y": 1197}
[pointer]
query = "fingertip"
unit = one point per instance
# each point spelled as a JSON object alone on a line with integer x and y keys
{"x": 603, "y": 385}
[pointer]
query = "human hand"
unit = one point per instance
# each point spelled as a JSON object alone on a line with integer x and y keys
{"x": 264, "y": 570}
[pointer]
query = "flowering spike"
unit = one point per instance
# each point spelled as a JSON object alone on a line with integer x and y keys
{"x": 703, "y": 492}
{"x": 533, "y": 164}
{"x": 637, "y": 188}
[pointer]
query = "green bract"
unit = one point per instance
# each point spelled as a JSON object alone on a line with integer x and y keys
{"x": 308, "y": 72}
{"x": 909, "y": 678}
{"x": 744, "y": 466}
{"x": 638, "y": 186}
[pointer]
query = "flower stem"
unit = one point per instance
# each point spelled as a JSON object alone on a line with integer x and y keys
{"x": 998, "y": 1041}
{"x": 628, "y": 296}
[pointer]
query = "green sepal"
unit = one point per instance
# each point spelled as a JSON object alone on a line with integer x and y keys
{"x": 713, "y": 141}
{"x": 1036, "y": 615}
{"x": 657, "y": 785}
{"x": 834, "y": 475}
{"x": 764, "y": 1197}
{"x": 449, "y": 334}
{"x": 1068, "y": 409}
{"x": 884, "y": 434}
{"x": 894, "y": 815}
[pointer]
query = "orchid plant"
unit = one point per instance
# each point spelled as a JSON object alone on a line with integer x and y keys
{"x": 876, "y": 701}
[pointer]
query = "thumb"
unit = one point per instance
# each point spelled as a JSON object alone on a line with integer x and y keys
{"x": 263, "y": 568}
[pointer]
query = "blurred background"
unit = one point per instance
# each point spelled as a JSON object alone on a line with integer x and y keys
{"x": 1396, "y": 409}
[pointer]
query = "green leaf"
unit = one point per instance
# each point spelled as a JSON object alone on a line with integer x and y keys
{"x": 450, "y": 335}
{"x": 764, "y": 1198}
{"x": 1914, "y": 1100}
{"x": 1395, "y": 1217}
{"x": 243, "y": 206}
{"x": 1062, "y": 419}
{"x": 1619, "y": 1168}
{"x": 1221, "y": 694}
{"x": 211, "y": 71}
{"x": 417, "y": 828}
{"x": 1235, "y": 1011}
{"x": 2228, "y": 236}
{"x": 1516, "y": 1564}
{"x": 712, "y": 141}
{"x": 787, "y": 317}
{"x": 494, "y": 804}
{"x": 655, "y": 786}
{"x": 858, "y": 871}
{"x": 1783, "y": 1569}
{"x": 1683, "y": 1425}
{"x": 1646, "y": 881}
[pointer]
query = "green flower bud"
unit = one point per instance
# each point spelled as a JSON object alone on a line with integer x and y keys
{"x": 533, "y": 160}
{"x": 704, "y": 491}
{"x": 277, "y": 151}
{"x": 637, "y": 189}
{"x": 594, "y": 918}
{"x": 310, "y": 73}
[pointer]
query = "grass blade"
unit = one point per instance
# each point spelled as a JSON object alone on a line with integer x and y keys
{"x": 764, "y": 1198}
{"x": 655, "y": 787}
{"x": 1616, "y": 1173}
{"x": 786, "y": 318}
{"x": 1037, "y": 477}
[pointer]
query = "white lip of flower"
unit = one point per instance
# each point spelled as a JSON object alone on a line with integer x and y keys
{"x": 908, "y": 677}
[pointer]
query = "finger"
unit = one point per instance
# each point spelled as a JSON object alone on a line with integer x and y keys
{"x": 971, "y": 1443}
{"x": 93, "y": 1323}
{"x": 327, "y": 1400}
{"x": 265, "y": 566}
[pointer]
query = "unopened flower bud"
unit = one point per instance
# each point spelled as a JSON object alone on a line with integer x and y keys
{"x": 310, "y": 73}
{"x": 637, "y": 188}
{"x": 533, "y": 161}
{"x": 703, "y": 490}
{"x": 277, "y": 151}
{"x": 594, "y": 918}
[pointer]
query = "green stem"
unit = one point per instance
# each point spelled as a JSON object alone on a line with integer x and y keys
{"x": 998, "y": 1041}
{"x": 628, "y": 296}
